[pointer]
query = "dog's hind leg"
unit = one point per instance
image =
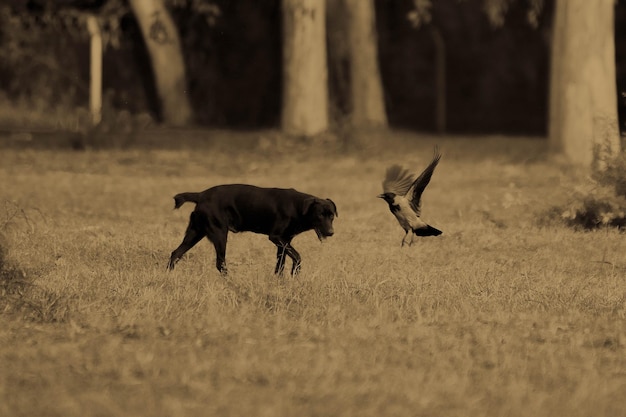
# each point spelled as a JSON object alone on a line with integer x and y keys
{"x": 218, "y": 238}
{"x": 193, "y": 235}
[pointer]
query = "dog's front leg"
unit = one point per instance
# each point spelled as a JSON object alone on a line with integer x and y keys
{"x": 281, "y": 252}
{"x": 284, "y": 248}
{"x": 295, "y": 256}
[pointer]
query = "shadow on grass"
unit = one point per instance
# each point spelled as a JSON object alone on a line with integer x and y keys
{"x": 272, "y": 143}
{"x": 21, "y": 297}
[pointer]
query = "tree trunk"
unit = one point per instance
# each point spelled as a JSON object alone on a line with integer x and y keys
{"x": 367, "y": 99}
{"x": 583, "y": 93}
{"x": 305, "y": 76}
{"x": 164, "y": 48}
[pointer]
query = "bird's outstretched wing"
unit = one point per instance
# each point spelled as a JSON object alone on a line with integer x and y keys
{"x": 398, "y": 180}
{"x": 414, "y": 194}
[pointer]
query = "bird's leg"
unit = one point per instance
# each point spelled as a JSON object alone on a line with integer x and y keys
{"x": 402, "y": 244}
{"x": 412, "y": 236}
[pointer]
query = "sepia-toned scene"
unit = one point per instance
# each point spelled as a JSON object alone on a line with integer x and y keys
{"x": 312, "y": 208}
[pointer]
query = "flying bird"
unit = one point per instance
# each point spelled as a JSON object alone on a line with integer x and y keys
{"x": 403, "y": 193}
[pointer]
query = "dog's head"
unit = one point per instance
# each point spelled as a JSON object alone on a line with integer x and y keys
{"x": 321, "y": 213}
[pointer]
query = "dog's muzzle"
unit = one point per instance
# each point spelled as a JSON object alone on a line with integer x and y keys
{"x": 321, "y": 235}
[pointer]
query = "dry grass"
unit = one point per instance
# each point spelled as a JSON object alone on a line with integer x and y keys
{"x": 504, "y": 314}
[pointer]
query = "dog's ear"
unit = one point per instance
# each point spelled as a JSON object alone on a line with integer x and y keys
{"x": 332, "y": 203}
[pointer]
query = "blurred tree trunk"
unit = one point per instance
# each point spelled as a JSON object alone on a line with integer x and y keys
{"x": 305, "y": 72}
{"x": 164, "y": 48}
{"x": 583, "y": 92}
{"x": 366, "y": 91}
{"x": 356, "y": 86}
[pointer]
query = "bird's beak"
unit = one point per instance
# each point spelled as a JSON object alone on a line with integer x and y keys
{"x": 380, "y": 196}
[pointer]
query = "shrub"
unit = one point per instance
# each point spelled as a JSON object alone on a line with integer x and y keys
{"x": 601, "y": 201}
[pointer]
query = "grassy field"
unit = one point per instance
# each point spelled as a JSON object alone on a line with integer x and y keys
{"x": 507, "y": 313}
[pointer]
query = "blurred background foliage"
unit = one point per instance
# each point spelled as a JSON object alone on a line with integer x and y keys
{"x": 497, "y": 62}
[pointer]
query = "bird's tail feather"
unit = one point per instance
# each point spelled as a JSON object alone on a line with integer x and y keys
{"x": 427, "y": 231}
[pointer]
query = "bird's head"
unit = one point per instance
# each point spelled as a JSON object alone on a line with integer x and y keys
{"x": 388, "y": 197}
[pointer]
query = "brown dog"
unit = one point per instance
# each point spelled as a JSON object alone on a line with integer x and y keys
{"x": 279, "y": 213}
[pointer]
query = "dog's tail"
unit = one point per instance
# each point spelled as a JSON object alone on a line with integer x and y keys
{"x": 182, "y": 198}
